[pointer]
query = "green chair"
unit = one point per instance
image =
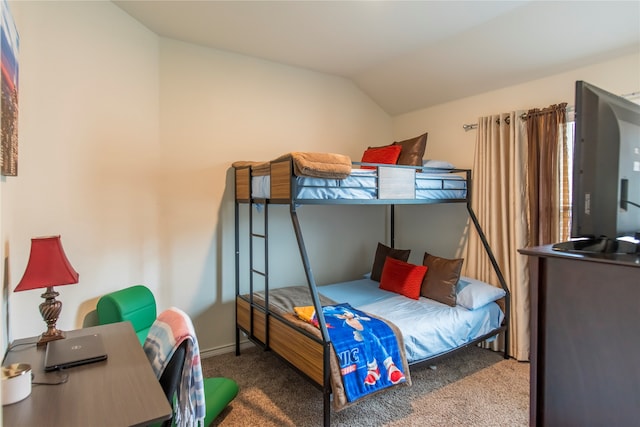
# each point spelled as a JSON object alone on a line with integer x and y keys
{"x": 135, "y": 304}
{"x": 218, "y": 391}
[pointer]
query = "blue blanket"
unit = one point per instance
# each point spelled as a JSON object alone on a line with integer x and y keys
{"x": 367, "y": 351}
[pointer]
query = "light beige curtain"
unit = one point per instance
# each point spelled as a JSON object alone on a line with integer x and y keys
{"x": 499, "y": 199}
{"x": 546, "y": 132}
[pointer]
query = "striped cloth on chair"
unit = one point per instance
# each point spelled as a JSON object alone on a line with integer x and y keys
{"x": 171, "y": 328}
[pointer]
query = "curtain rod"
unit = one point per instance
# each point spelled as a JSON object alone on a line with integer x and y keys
{"x": 570, "y": 108}
{"x": 469, "y": 127}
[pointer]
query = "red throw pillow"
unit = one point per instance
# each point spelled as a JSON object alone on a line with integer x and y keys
{"x": 387, "y": 155}
{"x": 402, "y": 278}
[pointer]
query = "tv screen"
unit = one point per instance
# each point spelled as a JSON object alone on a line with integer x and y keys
{"x": 606, "y": 171}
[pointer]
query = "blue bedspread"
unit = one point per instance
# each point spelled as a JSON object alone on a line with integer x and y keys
{"x": 367, "y": 350}
{"x": 429, "y": 328}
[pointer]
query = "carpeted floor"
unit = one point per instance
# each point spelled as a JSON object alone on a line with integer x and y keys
{"x": 474, "y": 388}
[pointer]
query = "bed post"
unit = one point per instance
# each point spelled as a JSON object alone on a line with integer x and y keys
{"x": 392, "y": 226}
{"x": 307, "y": 270}
{"x": 237, "y": 248}
{"x": 265, "y": 273}
{"x": 494, "y": 263}
{"x": 237, "y": 256}
{"x": 326, "y": 387}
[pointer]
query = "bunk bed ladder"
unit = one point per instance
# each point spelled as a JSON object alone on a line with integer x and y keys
{"x": 326, "y": 387}
{"x": 254, "y": 271}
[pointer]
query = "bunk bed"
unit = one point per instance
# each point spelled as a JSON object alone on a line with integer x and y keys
{"x": 267, "y": 316}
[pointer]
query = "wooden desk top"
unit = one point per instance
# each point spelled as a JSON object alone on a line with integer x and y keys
{"x": 120, "y": 391}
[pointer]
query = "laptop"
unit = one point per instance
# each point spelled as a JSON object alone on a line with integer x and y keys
{"x": 69, "y": 352}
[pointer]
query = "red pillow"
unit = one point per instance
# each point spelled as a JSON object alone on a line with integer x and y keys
{"x": 402, "y": 278}
{"x": 387, "y": 155}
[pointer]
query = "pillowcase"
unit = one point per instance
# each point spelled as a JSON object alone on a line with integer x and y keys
{"x": 412, "y": 150}
{"x": 382, "y": 252}
{"x": 442, "y": 276}
{"x": 388, "y": 155}
{"x": 474, "y": 294}
{"x": 437, "y": 164}
{"x": 402, "y": 278}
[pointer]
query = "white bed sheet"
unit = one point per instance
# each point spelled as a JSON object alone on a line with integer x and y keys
{"x": 429, "y": 328}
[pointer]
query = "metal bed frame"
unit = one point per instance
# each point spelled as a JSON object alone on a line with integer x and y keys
{"x": 262, "y": 326}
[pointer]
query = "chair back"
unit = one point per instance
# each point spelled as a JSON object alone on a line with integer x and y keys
{"x": 135, "y": 304}
{"x": 170, "y": 378}
{"x": 209, "y": 395}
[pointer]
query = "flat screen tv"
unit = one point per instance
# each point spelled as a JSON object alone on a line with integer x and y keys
{"x": 606, "y": 173}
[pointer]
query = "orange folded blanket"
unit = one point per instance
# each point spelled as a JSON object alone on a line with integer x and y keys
{"x": 257, "y": 168}
{"x": 319, "y": 165}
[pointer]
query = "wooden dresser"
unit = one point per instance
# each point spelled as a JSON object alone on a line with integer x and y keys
{"x": 585, "y": 338}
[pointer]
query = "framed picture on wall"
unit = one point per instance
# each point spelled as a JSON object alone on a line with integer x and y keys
{"x": 9, "y": 104}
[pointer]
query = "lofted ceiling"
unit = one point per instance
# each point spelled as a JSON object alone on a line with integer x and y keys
{"x": 408, "y": 55}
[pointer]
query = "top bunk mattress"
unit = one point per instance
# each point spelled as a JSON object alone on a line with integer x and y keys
{"x": 368, "y": 184}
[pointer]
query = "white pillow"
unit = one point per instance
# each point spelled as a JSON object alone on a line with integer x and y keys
{"x": 472, "y": 293}
{"x": 437, "y": 164}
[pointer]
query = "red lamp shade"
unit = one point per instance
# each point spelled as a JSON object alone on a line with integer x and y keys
{"x": 48, "y": 265}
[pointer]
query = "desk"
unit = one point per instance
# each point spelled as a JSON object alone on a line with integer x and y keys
{"x": 585, "y": 338}
{"x": 120, "y": 391}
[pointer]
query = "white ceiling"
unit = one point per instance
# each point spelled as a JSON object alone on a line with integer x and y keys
{"x": 408, "y": 55}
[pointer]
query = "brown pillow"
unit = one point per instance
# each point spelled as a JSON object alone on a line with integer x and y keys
{"x": 382, "y": 252}
{"x": 442, "y": 276}
{"x": 412, "y": 150}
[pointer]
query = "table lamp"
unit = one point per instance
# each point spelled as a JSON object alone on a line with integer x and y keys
{"x": 48, "y": 266}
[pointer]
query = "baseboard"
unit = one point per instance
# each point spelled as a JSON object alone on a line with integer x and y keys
{"x": 230, "y": 348}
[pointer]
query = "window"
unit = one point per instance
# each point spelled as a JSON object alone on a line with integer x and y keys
{"x": 566, "y": 175}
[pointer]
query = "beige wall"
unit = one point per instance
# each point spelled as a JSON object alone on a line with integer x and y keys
{"x": 88, "y": 142}
{"x": 216, "y": 108}
{"x": 126, "y": 141}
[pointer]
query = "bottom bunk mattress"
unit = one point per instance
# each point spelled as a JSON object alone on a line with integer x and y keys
{"x": 425, "y": 328}
{"x": 429, "y": 328}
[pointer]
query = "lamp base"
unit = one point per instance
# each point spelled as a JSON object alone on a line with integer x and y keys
{"x": 46, "y": 337}
{"x": 50, "y": 309}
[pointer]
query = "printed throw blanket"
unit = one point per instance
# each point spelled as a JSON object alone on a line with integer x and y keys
{"x": 172, "y": 327}
{"x": 367, "y": 349}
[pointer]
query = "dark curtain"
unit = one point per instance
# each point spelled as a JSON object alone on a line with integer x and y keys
{"x": 545, "y": 132}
